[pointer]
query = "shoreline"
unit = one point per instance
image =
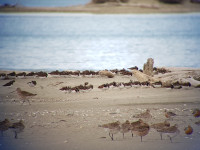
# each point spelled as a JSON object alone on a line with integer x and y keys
{"x": 112, "y": 8}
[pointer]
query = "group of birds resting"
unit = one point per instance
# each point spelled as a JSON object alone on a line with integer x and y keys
{"x": 141, "y": 128}
{"x": 16, "y": 127}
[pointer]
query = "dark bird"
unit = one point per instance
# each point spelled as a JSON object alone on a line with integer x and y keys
{"x": 169, "y": 114}
{"x": 4, "y": 125}
{"x": 17, "y": 127}
{"x": 9, "y": 83}
{"x": 32, "y": 83}
{"x": 196, "y": 113}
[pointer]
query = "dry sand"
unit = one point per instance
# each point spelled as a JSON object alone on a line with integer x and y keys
{"x": 133, "y": 6}
{"x": 59, "y": 120}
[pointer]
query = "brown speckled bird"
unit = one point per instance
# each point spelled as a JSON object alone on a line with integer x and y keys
{"x": 145, "y": 115}
{"x": 17, "y": 127}
{"x": 4, "y": 125}
{"x": 125, "y": 127}
{"x": 171, "y": 132}
{"x": 141, "y": 130}
{"x": 113, "y": 127}
{"x": 159, "y": 126}
{"x": 24, "y": 95}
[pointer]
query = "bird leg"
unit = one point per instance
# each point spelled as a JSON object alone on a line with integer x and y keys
{"x": 111, "y": 136}
{"x": 29, "y": 102}
{"x": 1, "y": 133}
{"x": 161, "y": 136}
{"x": 16, "y": 135}
{"x": 123, "y": 135}
{"x": 141, "y": 138}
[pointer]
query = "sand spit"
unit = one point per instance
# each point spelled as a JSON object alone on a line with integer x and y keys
{"x": 133, "y": 6}
{"x": 57, "y": 119}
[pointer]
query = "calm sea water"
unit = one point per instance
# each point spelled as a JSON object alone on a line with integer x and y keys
{"x": 85, "y": 41}
{"x": 43, "y": 3}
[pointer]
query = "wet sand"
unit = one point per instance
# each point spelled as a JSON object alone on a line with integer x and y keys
{"x": 60, "y": 120}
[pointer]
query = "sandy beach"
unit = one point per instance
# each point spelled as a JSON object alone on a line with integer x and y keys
{"x": 132, "y": 7}
{"x": 61, "y": 120}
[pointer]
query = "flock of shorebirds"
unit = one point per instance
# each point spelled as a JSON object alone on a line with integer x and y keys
{"x": 141, "y": 128}
{"x": 16, "y": 127}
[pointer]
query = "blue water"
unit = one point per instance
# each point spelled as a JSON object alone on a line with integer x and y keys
{"x": 87, "y": 41}
{"x": 43, "y": 3}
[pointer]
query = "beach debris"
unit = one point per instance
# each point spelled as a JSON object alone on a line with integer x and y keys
{"x": 17, "y": 127}
{"x": 148, "y": 67}
{"x": 141, "y": 77}
{"x": 188, "y": 130}
{"x": 4, "y": 125}
{"x": 106, "y": 73}
{"x": 10, "y": 83}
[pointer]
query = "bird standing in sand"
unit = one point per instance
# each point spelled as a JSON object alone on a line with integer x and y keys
{"x": 125, "y": 127}
{"x": 113, "y": 127}
{"x": 17, "y": 127}
{"x": 4, "y": 125}
{"x": 159, "y": 126}
{"x": 24, "y": 95}
{"x": 141, "y": 130}
{"x": 171, "y": 132}
{"x": 136, "y": 124}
